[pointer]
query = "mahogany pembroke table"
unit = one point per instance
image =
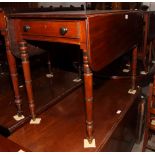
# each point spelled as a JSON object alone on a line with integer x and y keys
{"x": 102, "y": 36}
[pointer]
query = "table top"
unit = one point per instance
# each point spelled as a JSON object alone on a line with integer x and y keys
{"x": 103, "y": 25}
{"x": 67, "y": 14}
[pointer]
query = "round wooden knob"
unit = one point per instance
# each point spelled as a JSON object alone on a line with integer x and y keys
{"x": 63, "y": 30}
{"x": 26, "y": 28}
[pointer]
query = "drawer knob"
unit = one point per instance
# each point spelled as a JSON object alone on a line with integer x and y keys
{"x": 26, "y": 28}
{"x": 63, "y": 30}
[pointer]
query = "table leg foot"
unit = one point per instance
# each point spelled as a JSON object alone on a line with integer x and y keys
{"x": 18, "y": 118}
{"x": 49, "y": 75}
{"x": 132, "y": 91}
{"x": 153, "y": 61}
{"x": 88, "y": 144}
{"x": 125, "y": 70}
{"x": 35, "y": 121}
{"x": 143, "y": 73}
{"x": 128, "y": 65}
{"x": 77, "y": 80}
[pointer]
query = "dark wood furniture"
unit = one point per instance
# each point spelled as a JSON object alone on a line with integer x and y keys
{"x": 94, "y": 31}
{"x": 115, "y": 5}
{"x": 147, "y": 39}
{"x": 47, "y": 92}
{"x": 150, "y": 117}
{"x": 61, "y": 129}
{"x": 7, "y": 145}
{"x": 11, "y": 60}
{"x": 10, "y": 44}
{"x": 14, "y": 6}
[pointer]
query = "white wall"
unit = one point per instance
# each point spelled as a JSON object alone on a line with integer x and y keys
{"x": 151, "y": 5}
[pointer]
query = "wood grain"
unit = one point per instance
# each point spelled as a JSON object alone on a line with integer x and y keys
{"x": 62, "y": 127}
{"x": 7, "y": 145}
{"x": 111, "y": 35}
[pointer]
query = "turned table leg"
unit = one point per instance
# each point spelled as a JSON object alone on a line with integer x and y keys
{"x": 28, "y": 81}
{"x": 153, "y": 96}
{"x": 144, "y": 61}
{"x": 134, "y": 69}
{"x": 145, "y": 45}
{"x": 50, "y": 73}
{"x": 145, "y": 67}
{"x": 150, "y": 56}
{"x": 14, "y": 77}
{"x": 88, "y": 85}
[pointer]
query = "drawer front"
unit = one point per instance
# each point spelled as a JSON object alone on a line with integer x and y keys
{"x": 48, "y": 28}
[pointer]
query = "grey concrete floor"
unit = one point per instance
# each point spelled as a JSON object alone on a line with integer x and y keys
{"x": 138, "y": 147}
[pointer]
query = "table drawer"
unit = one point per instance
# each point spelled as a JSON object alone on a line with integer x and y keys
{"x": 69, "y": 29}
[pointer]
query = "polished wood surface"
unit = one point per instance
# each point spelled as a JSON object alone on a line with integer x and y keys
{"x": 125, "y": 134}
{"x": 62, "y": 127}
{"x": 7, "y": 145}
{"x": 67, "y": 14}
{"x": 51, "y": 28}
{"x": 11, "y": 62}
{"x": 104, "y": 45}
{"x": 79, "y": 28}
{"x": 125, "y": 21}
{"x": 47, "y": 92}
